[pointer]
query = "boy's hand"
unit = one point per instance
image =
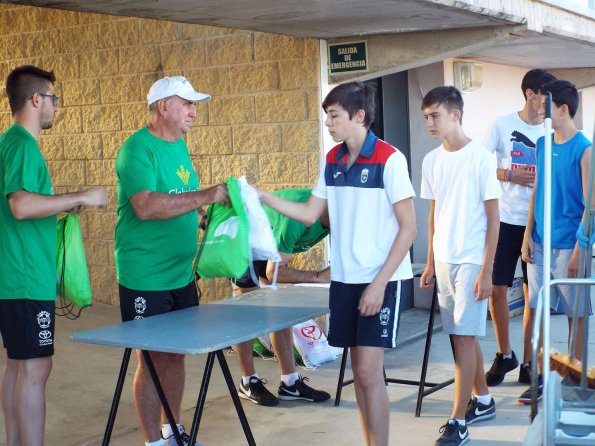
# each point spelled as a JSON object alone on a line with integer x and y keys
{"x": 425, "y": 281}
{"x": 527, "y": 250}
{"x": 371, "y": 301}
{"x": 573, "y": 264}
{"x": 522, "y": 175}
{"x": 483, "y": 285}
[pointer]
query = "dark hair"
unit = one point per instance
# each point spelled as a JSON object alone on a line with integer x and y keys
{"x": 23, "y": 81}
{"x": 535, "y": 79}
{"x": 447, "y": 95}
{"x": 353, "y": 96}
{"x": 563, "y": 92}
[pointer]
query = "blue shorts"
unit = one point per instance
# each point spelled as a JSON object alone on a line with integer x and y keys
{"x": 347, "y": 328}
{"x": 140, "y": 304}
{"x": 27, "y": 328}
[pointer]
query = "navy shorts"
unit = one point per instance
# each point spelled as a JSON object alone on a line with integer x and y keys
{"x": 508, "y": 251}
{"x": 140, "y": 304}
{"x": 260, "y": 269}
{"x": 27, "y": 328}
{"x": 347, "y": 328}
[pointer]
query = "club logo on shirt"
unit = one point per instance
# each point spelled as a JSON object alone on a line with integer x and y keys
{"x": 364, "y": 175}
{"x": 44, "y": 319}
{"x": 384, "y": 316}
{"x": 183, "y": 174}
{"x": 140, "y": 305}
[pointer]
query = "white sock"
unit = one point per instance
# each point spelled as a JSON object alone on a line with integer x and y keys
{"x": 159, "y": 442}
{"x": 166, "y": 431}
{"x": 509, "y": 356}
{"x": 289, "y": 380}
{"x": 484, "y": 399}
{"x": 461, "y": 422}
{"x": 246, "y": 379}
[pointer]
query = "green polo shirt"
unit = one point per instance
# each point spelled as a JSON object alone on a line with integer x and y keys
{"x": 27, "y": 247}
{"x": 154, "y": 255}
{"x": 293, "y": 237}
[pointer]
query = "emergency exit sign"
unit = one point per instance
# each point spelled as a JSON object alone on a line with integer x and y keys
{"x": 348, "y": 57}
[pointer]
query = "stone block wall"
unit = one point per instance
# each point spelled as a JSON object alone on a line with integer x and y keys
{"x": 262, "y": 121}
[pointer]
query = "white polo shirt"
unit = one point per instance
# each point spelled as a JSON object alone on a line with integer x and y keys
{"x": 363, "y": 222}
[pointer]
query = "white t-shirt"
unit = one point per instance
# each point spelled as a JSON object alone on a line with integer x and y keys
{"x": 360, "y": 204}
{"x": 513, "y": 141}
{"x": 459, "y": 182}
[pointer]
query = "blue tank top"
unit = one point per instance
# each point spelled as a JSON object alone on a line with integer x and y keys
{"x": 568, "y": 203}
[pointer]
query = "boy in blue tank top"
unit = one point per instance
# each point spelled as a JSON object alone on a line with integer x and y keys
{"x": 571, "y": 157}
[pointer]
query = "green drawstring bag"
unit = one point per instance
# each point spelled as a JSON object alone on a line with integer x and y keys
{"x": 73, "y": 286}
{"x": 224, "y": 249}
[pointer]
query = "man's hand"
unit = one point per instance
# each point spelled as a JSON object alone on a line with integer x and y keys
{"x": 483, "y": 285}
{"x": 94, "y": 196}
{"x": 371, "y": 301}
{"x": 425, "y": 280}
{"x": 527, "y": 251}
{"x": 217, "y": 194}
{"x": 523, "y": 176}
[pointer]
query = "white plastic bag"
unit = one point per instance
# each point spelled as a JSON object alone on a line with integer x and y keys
{"x": 312, "y": 345}
{"x": 262, "y": 241}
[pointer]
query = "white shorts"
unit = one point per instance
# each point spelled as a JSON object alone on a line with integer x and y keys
{"x": 461, "y": 313}
{"x": 560, "y": 260}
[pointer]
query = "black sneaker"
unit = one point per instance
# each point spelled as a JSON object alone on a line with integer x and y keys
{"x": 256, "y": 392}
{"x": 500, "y": 367}
{"x": 453, "y": 434}
{"x": 525, "y": 397}
{"x": 525, "y": 373}
{"x": 301, "y": 391}
{"x": 171, "y": 440}
{"x": 479, "y": 412}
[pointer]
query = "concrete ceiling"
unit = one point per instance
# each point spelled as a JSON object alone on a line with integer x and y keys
{"x": 332, "y": 19}
{"x": 306, "y": 18}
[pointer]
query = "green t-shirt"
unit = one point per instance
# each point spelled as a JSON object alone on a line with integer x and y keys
{"x": 292, "y": 236}
{"x": 154, "y": 255}
{"x": 27, "y": 247}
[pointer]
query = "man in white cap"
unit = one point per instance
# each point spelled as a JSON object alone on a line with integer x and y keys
{"x": 157, "y": 241}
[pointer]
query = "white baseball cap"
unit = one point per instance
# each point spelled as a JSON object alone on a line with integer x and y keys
{"x": 175, "y": 86}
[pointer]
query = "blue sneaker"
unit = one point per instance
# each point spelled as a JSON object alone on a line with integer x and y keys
{"x": 479, "y": 412}
{"x": 525, "y": 397}
{"x": 453, "y": 434}
{"x": 171, "y": 440}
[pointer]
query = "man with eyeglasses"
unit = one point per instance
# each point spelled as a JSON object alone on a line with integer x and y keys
{"x": 28, "y": 208}
{"x": 157, "y": 239}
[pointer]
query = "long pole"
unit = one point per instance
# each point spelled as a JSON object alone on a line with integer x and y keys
{"x": 547, "y": 253}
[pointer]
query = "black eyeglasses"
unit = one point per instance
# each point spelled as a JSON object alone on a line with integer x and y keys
{"x": 55, "y": 99}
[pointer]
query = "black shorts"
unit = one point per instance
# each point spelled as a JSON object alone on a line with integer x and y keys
{"x": 348, "y": 329}
{"x": 508, "y": 251}
{"x": 260, "y": 269}
{"x": 139, "y": 304}
{"x": 27, "y": 328}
